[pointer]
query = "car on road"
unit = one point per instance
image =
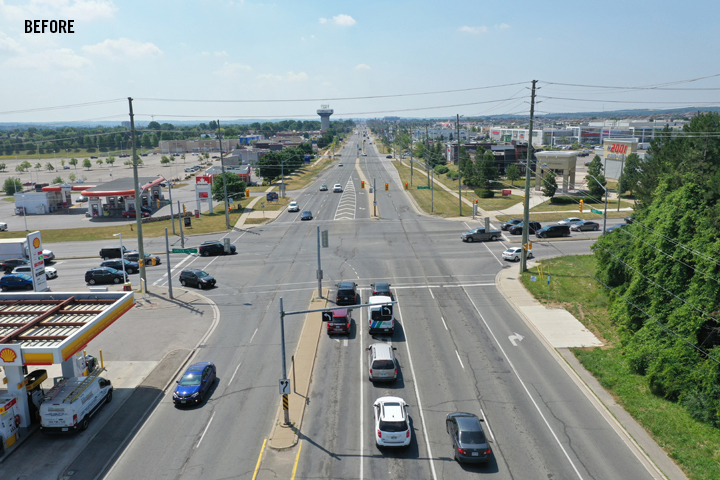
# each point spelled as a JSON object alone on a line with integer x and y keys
{"x": 340, "y": 164}
{"x": 513, "y": 254}
{"x": 570, "y": 221}
{"x": 587, "y": 164}
{"x": 510, "y": 223}
{"x": 93, "y": 158}
{"x": 306, "y": 215}
{"x": 381, "y": 289}
{"x": 133, "y": 214}
{"x": 479, "y": 234}
{"x": 340, "y": 323}
{"x": 3, "y": 227}
{"x": 347, "y": 294}
{"x": 115, "y": 252}
{"x": 585, "y": 226}
{"x": 337, "y": 188}
{"x": 468, "y": 438}
{"x": 48, "y": 255}
{"x": 615, "y": 227}
{"x": 630, "y": 219}
{"x": 392, "y": 424}
{"x": 517, "y": 229}
{"x": 105, "y": 275}
{"x": 388, "y": 156}
{"x": 293, "y": 207}
{"x": 382, "y": 365}
{"x": 364, "y": 154}
{"x": 214, "y": 247}
{"x": 194, "y": 385}
{"x": 50, "y": 272}
{"x": 16, "y": 281}
{"x": 323, "y": 188}
{"x": 117, "y": 264}
{"x": 10, "y": 264}
{"x": 551, "y": 231}
{"x": 134, "y": 256}
{"x": 196, "y": 278}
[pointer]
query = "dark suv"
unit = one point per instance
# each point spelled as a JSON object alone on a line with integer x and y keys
{"x": 553, "y": 231}
{"x": 381, "y": 289}
{"x": 196, "y": 278}
{"x": 10, "y": 264}
{"x": 104, "y": 275}
{"x": 347, "y": 294}
{"x": 532, "y": 228}
{"x": 113, "y": 252}
{"x": 214, "y": 247}
{"x": 130, "y": 267}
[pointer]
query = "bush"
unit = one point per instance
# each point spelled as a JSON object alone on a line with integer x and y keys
{"x": 483, "y": 193}
{"x": 572, "y": 200}
{"x": 440, "y": 169}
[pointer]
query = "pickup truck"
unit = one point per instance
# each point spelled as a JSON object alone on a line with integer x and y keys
{"x": 479, "y": 234}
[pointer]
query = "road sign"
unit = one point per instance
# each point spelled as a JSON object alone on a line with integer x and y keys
{"x": 284, "y": 386}
{"x": 423, "y": 188}
{"x": 327, "y": 316}
{"x": 387, "y": 310}
{"x": 184, "y": 250}
{"x": 595, "y": 210}
{"x": 271, "y": 196}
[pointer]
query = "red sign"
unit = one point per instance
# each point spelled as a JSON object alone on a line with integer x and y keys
{"x": 203, "y": 194}
{"x": 618, "y": 148}
{"x": 506, "y": 193}
{"x": 204, "y": 179}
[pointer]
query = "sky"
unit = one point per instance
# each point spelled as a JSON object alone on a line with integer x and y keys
{"x": 233, "y": 59}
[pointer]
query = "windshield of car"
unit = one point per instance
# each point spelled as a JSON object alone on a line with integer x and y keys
{"x": 386, "y": 426}
{"x": 202, "y": 274}
{"x": 472, "y": 437}
{"x": 111, "y": 270}
{"x": 190, "y": 380}
{"x": 383, "y": 365}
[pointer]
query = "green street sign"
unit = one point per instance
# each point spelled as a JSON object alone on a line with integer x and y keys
{"x": 184, "y": 250}
{"x": 594, "y": 210}
{"x": 423, "y": 188}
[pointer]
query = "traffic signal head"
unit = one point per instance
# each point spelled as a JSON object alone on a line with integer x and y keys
{"x": 184, "y": 211}
{"x": 247, "y": 192}
{"x": 406, "y": 185}
{"x": 362, "y": 184}
{"x": 387, "y": 186}
{"x": 581, "y": 205}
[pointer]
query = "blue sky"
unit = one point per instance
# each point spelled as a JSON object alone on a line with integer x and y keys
{"x": 247, "y": 50}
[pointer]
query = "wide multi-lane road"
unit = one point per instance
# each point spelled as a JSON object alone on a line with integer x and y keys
{"x": 452, "y": 342}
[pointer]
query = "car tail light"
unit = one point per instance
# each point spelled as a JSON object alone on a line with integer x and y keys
{"x": 75, "y": 419}
{"x": 396, "y": 371}
{"x": 371, "y": 371}
{"x": 407, "y": 435}
{"x": 347, "y": 325}
{"x": 488, "y": 451}
{"x": 379, "y": 434}
{"x": 461, "y": 451}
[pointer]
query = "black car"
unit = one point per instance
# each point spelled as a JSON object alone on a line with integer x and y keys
{"x": 306, "y": 215}
{"x": 114, "y": 252}
{"x": 553, "y": 231}
{"x": 135, "y": 256}
{"x": 381, "y": 289}
{"x": 347, "y": 294}
{"x": 510, "y": 223}
{"x": 196, "y": 278}
{"x": 468, "y": 437}
{"x": 517, "y": 229}
{"x": 130, "y": 267}
{"x": 104, "y": 275}
{"x": 9, "y": 265}
{"x": 214, "y": 247}
{"x": 630, "y": 219}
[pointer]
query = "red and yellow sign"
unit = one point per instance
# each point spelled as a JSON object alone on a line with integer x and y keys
{"x": 36, "y": 242}
{"x": 8, "y": 355}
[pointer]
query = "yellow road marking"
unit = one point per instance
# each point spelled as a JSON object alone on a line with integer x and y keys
{"x": 257, "y": 467}
{"x": 297, "y": 458}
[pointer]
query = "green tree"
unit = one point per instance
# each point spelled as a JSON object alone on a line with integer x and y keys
{"x": 145, "y": 140}
{"x": 72, "y": 177}
{"x": 87, "y": 163}
{"x": 631, "y": 174}
{"x": 487, "y": 172}
{"x": 549, "y": 185}
{"x": 596, "y": 187}
{"x": 99, "y": 162}
{"x": 110, "y": 160}
{"x": 513, "y": 174}
{"x": 24, "y": 166}
{"x": 62, "y": 162}
{"x": 49, "y": 167}
{"x": 164, "y": 160}
{"x": 57, "y": 180}
{"x": 183, "y": 157}
{"x": 73, "y": 162}
{"x": 235, "y": 187}
{"x": 12, "y": 186}
{"x": 38, "y": 166}
{"x": 153, "y": 125}
{"x": 466, "y": 166}
{"x": 2, "y": 167}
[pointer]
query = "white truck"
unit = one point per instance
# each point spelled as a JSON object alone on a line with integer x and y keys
{"x": 13, "y": 248}
{"x": 69, "y": 405}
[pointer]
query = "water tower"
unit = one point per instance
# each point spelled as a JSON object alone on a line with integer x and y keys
{"x": 324, "y": 113}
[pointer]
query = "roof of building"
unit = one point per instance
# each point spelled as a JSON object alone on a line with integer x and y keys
{"x": 122, "y": 186}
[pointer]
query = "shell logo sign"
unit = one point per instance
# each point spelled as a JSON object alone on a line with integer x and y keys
{"x": 8, "y": 355}
{"x": 36, "y": 242}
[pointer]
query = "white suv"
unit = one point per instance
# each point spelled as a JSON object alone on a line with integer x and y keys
{"x": 392, "y": 427}
{"x": 513, "y": 254}
{"x": 337, "y": 188}
{"x": 293, "y": 207}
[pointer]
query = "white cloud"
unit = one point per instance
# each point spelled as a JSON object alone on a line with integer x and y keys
{"x": 9, "y": 45}
{"x": 473, "y": 30}
{"x": 344, "y": 20}
{"x": 297, "y": 77}
{"x": 123, "y": 47}
{"x": 323, "y": 20}
{"x": 222, "y": 54}
{"x": 502, "y": 26}
{"x": 78, "y": 10}
{"x": 232, "y": 69}
{"x": 290, "y": 77}
{"x": 49, "y": 60}
{"x": 87, "y": 10}
{"x": 362, "y": 66}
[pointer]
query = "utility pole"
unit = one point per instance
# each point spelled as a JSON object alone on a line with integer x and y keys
{"x": 172, "y": 214}
{"x": 526, "y": 206}
{"x": 458, "y": 164}
{"x": 427, "y": 154}
{"x": 411, "y": 160}
{"x": 319, "y": 269}
{"x": 138, "y": 200}
{"x": 167, "y": 257}
{"x": 227, "y": 213}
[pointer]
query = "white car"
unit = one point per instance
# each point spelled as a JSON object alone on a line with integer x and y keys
{"x": 340, "y": 164}
{"x": 3, "y": 227}
{"x": 50, "y": 272}
{"x": 570, "y": 221}
{"x": 81, "y": 199}
{"x": 364, "y": 154}
{"x": 392, "y": 427}
{"x": 293, "y": 207}
{"x": 337, "y": 188}
{"x": 513, "y": 254}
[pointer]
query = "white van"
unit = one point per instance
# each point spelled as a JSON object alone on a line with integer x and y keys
{"x": 380, "y": 315}
{"x": 70, "y": 404}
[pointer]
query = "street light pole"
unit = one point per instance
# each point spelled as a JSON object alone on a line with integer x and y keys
{"x": 282, "y": 343}
{"x": 222, "y": 166}
{"x": 526, "y": 206}
{"x": 122, "y": 256}
{"x": 458, "y": 164}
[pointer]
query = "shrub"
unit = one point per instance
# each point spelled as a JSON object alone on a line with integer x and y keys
{"x": 483, "y": 193}
{"x": 440, "y": 169}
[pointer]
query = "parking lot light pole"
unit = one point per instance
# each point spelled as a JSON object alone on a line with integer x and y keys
{"x": 122, "y": 257}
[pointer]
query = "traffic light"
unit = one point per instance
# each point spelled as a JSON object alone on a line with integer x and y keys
{"x": 529, "y": 245}
{"x": 362, "y": 184}
{"x": 387, "y": 185}
{"x": 247, "y": 193}
{"x": 581, "y": 205}
{"x": 406, "y": 185}
{"x": 184, "y": 211}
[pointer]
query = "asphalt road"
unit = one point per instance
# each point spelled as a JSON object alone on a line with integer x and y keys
{"x": 452, "y": 340}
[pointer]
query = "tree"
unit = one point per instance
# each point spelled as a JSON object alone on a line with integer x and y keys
{"x": 49, "y": 167}
{"x": 164, "y": 160}
{"x": 37, "y": 166}
{"x": 466, "y": 167}
{"x": 153, "y": 125}
{"x": 110, "y": 160}
{"x": 513, "y": 174}
{"x": 99, "y": 162}
{"x": 183, "y": 157}
{"x": 235, "y": 187}
{"x": 145, "y": 140}
{"x": 213, "y": 125}
{"x": 87, "y": 163}
{"x": 62, "y": 162}
{"x": 596, "y": 187}
{"x": 57, "y": 180}
{"x": 486, "y": 172}
{"x": 549, "y": 185}
{"x": 2, "y": 167}
{"x": 12, "y": 186}
{"x": 72, "y": 177}
{"x": 23, "y": 167}
{"x": 631, "y": 174}
{"x": 73, "y": 162}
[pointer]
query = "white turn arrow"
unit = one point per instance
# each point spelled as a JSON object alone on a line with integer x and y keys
{"x": 514, "y": 337}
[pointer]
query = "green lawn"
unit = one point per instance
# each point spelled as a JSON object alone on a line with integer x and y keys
{"x": 555, "y": 217}
{"x": 695, "y": 446}
{"x": 305, "y": 175}
{"x": 445, "y": 204}
{"x": 612, "y": 205}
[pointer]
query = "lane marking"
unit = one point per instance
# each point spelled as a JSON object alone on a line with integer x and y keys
{"x": 417, "y": 395}
{"x": 431, "y": 294}
{"x": 253, "y": 335}
{"x": 459, "y": 360}
{"x": 445, "y": 324}
{"x": 257, "y": 466}
{"x": 362, "y": 396}
{"x": 297, "y": 458}
{"x": 517, "y": 375}
{"x": 487, "y": 424}
{"x": 233, "y": 375}
{"x": 205, "y": 431}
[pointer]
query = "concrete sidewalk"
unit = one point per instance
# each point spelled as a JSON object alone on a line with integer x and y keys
{"x": 559, "y": 331}
{"x": 248, "y": 210}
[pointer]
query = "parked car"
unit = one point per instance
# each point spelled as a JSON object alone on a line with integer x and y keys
{"x": 347, "y": 294}
{"x": 134, "y": 256}
{"x": 551, "y": 231}
{"x": 133, "y": 214}
{"x": 585, "y": 225}
{"x": 48, "y": 255}
{"x": 388, "y": 156}
{"x": 196, "y": 278}
{"x": 117, "y": 264}
{"x": 513, "y": 254}
{"x": 570, "y": 221}
{"x": 10, "y": 264}
{"x": 3, "y": 227}
{"x": 214, "y": 247}
{"x": 337, "y": 188}
{"x": 81, "y": 199}
{"x": 16, "y": 281}
{"x": 50, "y": 272}
{"x": 510, "y": 223}
{"x": 517, "y": 229}
{"x": 66, "y": 167}
{"x": 468, "y": 438}
{"x": 194, "y": 385}
{"x": 381, "y": 289}
{"x": 306, "y": 215}
{"x": 630, "y": 219}
{"x": 479, "y": 234}
{"x": 189, "y": 169}
{"x": 364, "y": 154}
{"x": 115, "y": 252}
{"x": 293, "y": 207}
{"x": 392, "y": 426}
{"x": 323, "y": 188}
{"x": 105, "y": 275}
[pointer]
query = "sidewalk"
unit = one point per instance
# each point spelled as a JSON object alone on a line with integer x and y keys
{"x": 559, "y": 331}
{"x": 248, "y": 211}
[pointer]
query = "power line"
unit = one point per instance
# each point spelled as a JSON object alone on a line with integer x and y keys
{"x": 60, "y": 107}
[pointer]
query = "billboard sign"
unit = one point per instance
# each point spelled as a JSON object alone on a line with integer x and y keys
{"x": 619, "y": 149}
{"x": 35, "y": 250}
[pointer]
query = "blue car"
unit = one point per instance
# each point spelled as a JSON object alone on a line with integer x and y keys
{"x": 16, "y": 281}
{"x": 195, "y": 383}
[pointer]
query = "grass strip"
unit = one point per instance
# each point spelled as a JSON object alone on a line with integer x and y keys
{"x": 444, "y": 204}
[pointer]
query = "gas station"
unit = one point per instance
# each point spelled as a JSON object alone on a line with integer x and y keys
{"x": 46, "y": 328}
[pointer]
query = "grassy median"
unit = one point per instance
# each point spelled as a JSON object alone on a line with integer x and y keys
{"x": 694, "y": 446}
{"x": 438, "y": 201}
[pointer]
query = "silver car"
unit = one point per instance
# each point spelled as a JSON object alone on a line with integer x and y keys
{"x": 381, "y": 362}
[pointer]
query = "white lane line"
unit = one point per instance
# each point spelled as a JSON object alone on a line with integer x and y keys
{"x": 417, "y": 395}
{"x": 487, "y": 424}
{"x": 493, "y": 255}
{"x": 459, "y": 360}
{"x": 431, "y": 294}
{"x": 233, "y": 375}
{"x": 253, "y": 335}
{"x": 205, "y": 431}
{"x": 177, "y": 265}
{"x": 345, "y": 342}
{"x": 517, "y": 375}
{"x": 362, "y": 397}
{"x": 445, "y": 324}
